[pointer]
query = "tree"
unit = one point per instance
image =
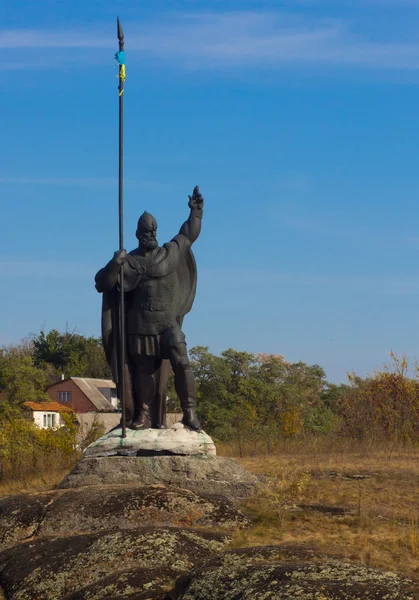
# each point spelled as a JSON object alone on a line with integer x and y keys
{"x": 258, "y": 396}
{"x": 20, "y": 379}
{"x": 70, "y": 353}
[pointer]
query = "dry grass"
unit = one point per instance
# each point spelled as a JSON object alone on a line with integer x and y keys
{"x": 305, "y": 487}
{"x": 36, "y": 483}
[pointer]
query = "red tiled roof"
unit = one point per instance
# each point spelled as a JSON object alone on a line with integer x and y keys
{"x": 47, "y": 406}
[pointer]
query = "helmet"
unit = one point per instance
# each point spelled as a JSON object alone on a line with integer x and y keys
{"x": 146, "y": 222}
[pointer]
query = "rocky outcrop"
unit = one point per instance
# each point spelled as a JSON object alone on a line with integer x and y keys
{"x": 110, "y": 540}
{"x": 91, "y": 543}
{"x": 288, "y": 573}
{"x": 21, "y": 515}
{"x": 138, "y": 584}
{"x": 201, "y": 474}
{"x": 62, "y": 513}
{"x": 118, "y": 561}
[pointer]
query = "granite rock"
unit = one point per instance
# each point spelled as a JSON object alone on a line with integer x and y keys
{"x": 92, "y": 509}
{"x": 136, "y": 584}
{"x": 200, "y": 474}
{"x": 53, "y": 568}
{"x": 288, "y": 573}
{"x": 21, "y": 515}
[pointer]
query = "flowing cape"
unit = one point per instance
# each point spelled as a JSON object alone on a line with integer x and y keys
{"x": 187, "y": 279}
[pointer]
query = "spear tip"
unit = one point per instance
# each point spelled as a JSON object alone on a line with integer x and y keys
{"x": 119, "y": 30}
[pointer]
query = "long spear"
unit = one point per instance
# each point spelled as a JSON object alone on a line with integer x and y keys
{"x": 120, "y": 57}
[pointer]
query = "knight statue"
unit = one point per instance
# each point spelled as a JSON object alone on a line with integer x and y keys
{"x": 159, "y": 290}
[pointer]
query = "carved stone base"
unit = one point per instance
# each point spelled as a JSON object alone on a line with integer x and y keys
{"x": 177, "y": 440}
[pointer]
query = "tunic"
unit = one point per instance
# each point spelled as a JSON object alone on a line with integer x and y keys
{"x": 152, "y": 286}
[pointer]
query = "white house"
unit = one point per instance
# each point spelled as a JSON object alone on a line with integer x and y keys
{"x": 47, "y": 414}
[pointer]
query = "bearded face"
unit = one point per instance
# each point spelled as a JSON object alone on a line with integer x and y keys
{"x": 147, "y": 239}
{"x": 146, "y": 232}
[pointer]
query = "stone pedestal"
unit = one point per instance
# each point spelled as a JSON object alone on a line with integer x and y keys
{"x": 200, "y": 474}
{"x": 177, "y": 440}
{"x": 177, "y": 456}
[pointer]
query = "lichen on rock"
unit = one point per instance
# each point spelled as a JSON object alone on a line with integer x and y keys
{"x": 21, "y": 516}
{"x": 53, "y": 568}
{"x": 138, "y": 583}
{"x": 110, "y": 508}
{"x": 272, "y": 573}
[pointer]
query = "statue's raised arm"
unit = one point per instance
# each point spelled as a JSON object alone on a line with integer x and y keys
{"x": 192, "y": 227}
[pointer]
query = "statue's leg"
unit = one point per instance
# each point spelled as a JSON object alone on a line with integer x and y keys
{"x": 145, "y": 390}
{"x": 184, "y": 378}
{"x": 162, "y": 381}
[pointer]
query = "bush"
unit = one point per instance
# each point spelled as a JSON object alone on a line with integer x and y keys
{"x": 27, "y": 451}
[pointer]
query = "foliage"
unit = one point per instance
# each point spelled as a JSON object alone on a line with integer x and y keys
{"x": 173, "y": 403}
{"x": 255, "y": 401}
{"x": 71, "y": 354}
{"x": 383, "y": 406}
{"x": 258, "y": 399}
{"x": 20, "y": 379}
{"x": 26, "y": 370}
{"x": 96, "y": 431}
{"x": 246, "y": 396}
{"x": 25, "y": 449}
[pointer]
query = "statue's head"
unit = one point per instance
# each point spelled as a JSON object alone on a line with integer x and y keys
{"x": 146, "y": 231}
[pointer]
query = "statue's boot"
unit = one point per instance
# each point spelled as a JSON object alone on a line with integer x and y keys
{"x": 137, "y": 424}
{"x": 186, "y": 390}
{"x": 190, "y": 419}
{"x": 140, "y": 419}
{"x": 144, "y": 393}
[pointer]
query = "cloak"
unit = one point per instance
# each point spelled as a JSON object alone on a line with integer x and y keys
{"x": 186, "y": 273}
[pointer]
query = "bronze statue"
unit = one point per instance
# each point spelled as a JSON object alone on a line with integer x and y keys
{"x": 159, "y": 289}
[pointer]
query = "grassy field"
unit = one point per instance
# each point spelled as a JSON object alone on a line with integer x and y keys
{"x": 339, "y": 499}
{"x": 36, "y": 483}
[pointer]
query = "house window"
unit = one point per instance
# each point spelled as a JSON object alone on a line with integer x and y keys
{"x": 49, "y": 420}
{"x": 64, "y": 396}
{"x": 106, "y": 392}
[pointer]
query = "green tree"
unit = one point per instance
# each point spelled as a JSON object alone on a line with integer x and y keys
{"x": 333, "y": 396}
{"x": 259, "y": 396}
{"x": 21, "y": 380}
{"x": 215, "y": 401}
{"x": 70, "y": 353}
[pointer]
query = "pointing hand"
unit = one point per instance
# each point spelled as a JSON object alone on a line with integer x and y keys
{"x": 196, "y": 200}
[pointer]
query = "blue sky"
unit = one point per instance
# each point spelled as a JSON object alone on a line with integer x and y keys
{"x": 299, "y": 121}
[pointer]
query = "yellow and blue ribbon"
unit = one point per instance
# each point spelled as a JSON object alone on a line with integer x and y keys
{"x": 120, "y": 57}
